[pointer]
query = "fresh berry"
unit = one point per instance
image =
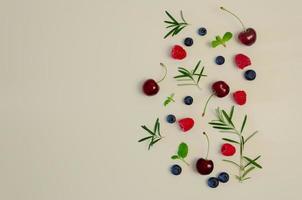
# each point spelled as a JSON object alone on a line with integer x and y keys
{"x": 186, "y": 124}
{"x": 223, "y": 177}
{"x": 175, "y": 170}
{"x": 204, "y": 166}
{"x": 219, "y": 60}
{"x": 188, "y": 41}
{"x": 228, "y": 149}
{"x": 178, "y": 52}
{"x": 242, "y": 61}
{"x": 188, "y": 100}
{"x": 171, "y": 119}
{"x": 220, "y": 89}
{"x": 150, "y": 87}
{"x": 250, "y": 75}
{"x": 202, "y": 31}
{"x": 240, "y": 97}
{"x": 213, "y": 182}
{"x": 248, "y": 36}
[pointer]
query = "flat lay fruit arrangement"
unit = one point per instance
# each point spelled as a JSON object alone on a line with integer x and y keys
{"x": 233, "y": 136}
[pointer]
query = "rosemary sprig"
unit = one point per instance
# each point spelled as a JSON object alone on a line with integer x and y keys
{"x": 190, "y": 77}
{"x": 169, "y": 99}
{"x": 154, "y": 136}
{"x": 175, "y": 26}
{"x": 225, "y": 124}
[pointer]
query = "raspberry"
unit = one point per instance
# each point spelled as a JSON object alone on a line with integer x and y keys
{"x": 242, "y": 61}
{"x": 228, "y": 149}
{"x": 239, "y": 97}
{"x": 186, "y": 124}
{"x": 178, "y": 52}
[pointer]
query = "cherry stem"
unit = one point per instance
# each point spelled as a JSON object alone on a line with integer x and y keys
{"x": 208, "y": 141}
{"x": 205, "y": 107}
{"x": 163, "y": 78}
{"x": 222, "y": 8}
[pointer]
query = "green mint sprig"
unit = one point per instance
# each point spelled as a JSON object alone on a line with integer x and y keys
{"x": 225, "y": 124}
{"x": 155, "y": 135}
{"x": 221, "y": 41}
{"x": 182, "y": 153}
{"x": 175, "y": 26}
{"x": 190, "y": 77}
{"x": 169, "y": 99}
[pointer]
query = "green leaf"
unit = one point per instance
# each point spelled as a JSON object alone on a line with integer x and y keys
{"x": 168, "y": 22}
{"x": 154, "y": 141}
{"x": 145, "y": 138}
{"x": 249, "y": 137}
{"x": 182, "y": 150}
{"x": 170, "y": 16}
{"x": 174, "y": 157}
{"x": 170, "y": 32}
{"x": 227, "y": 118}
{"x": 243, "y": 123}
{"x": 200, "y": 75}
{"x": 246, "y": 178}
{"x": 196, "y": 67}
{"x": 230, "y": 140}
{"x": 229, "y": 161}
{"x": 158, "y": 129}
{"x": 148, "y": 130}
{"x": 231, "y": 112}
{"x": 218, "y": 38}
{"x": 178, "y": 30}
{"x": 156, "y": 125}
{"x": 227, "y": 36}
{"x": 248, "y": 171}
{"x": 253, "y": 162}
{"x": 215, "y": 43}
{"x": 217, "y": 124}
{"x": 223, "y": 128}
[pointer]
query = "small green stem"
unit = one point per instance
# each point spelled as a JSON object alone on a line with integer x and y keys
{"x": 208, "y": 141}
{"x": 222, "y": 8}
{"x": 205, "y": 107}
{"x": 164, "y": 66}
{"x": 183, "y": 160}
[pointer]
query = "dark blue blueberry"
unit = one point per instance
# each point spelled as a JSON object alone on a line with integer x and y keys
{"x": 175, "y": 170}
{"x": 250, "y": 75}
{"x": 202, "y": 31}
{"x": 171, "y": 119}
{"x": 219, "y": 60}
{"x": 188, "y": 100}
{"x": 188, "y": 41}
{"x": 223, "y": 177}
{"x": 213, "y": 182}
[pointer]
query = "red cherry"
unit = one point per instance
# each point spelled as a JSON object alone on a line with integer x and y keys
{"x": 228, "y": 149}
{"x": 205, "y": 166}
{"x": 220, "y": 89}
{"x": 242, "y": 61}
{"x": 186, "y": 124}
{"x": 150, "y": 87}
{"x": 240, "y": 97}
{"x": 248, "y": 36}
{"x": 178, "y": 52}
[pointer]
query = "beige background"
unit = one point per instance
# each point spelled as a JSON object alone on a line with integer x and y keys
{"x": 70, "y": 105}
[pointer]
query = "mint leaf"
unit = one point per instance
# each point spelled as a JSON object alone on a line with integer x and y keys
{"x": 215, "y": 43}
{"x": 174, "y": 157}
{"x": 182, "y": 150}
{"x": 227, "y": 36}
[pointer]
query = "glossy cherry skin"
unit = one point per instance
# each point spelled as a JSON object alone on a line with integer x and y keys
{"x": 150, "y": 87}
{"x": 220, "y": 89}
{"x": 204, "y": 166}
{"x": 248, "y": 37}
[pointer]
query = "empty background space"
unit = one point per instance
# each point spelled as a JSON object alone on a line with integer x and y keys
{"x": 71, "y": 104}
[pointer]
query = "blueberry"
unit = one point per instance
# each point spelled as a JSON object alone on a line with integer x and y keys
{"x": 213, "y": 182}
{"x": 219, "y": 60}
{"x": 250, "y": 75}
{"x": 175, "y": 170}
{"x": 223, "y": 177}
{"x": 188, "y": 41}
{"x": 202, "y": 31}
{"x": 188, "y": 100}
{"x": 171, "y": 119}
